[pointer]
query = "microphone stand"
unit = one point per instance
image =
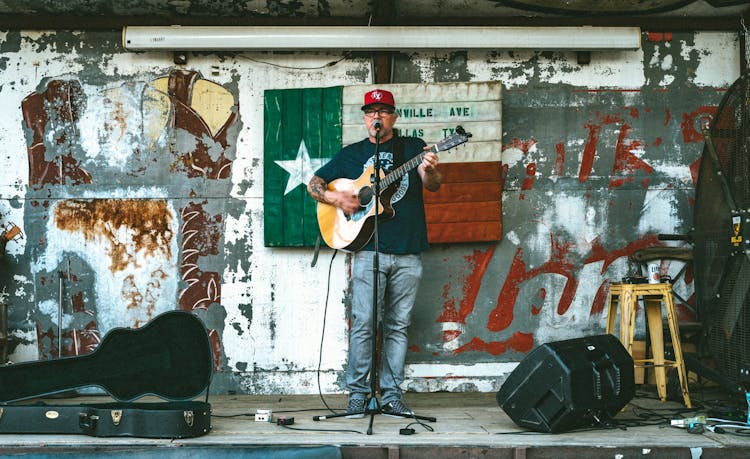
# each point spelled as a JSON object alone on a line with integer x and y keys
{"x": 373, "y": 405}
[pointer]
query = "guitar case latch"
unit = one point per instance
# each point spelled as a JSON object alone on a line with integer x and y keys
{"x": 87, "y": 421}
{"x": 189, "y": 418}
{"x": 116, "y": 416}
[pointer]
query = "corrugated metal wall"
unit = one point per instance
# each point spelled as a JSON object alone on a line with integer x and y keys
{"x": 138, "y": 185}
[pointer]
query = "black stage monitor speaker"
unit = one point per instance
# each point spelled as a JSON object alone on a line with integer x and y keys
{"x": 569, "y": 384}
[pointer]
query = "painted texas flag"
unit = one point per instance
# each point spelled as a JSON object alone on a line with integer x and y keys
{"x": 306, "y": 127}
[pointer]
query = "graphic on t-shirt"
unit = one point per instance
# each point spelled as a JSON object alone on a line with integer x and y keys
{"x": 386, "y": 163}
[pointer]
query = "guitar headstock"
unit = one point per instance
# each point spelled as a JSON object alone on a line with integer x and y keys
{"x": 458, "y": 137}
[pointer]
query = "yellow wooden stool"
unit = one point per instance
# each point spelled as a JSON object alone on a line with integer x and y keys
{"x": 654, "y": 295}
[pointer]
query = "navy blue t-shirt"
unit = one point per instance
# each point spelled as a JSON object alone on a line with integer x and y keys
{"x": 406, "y": 231}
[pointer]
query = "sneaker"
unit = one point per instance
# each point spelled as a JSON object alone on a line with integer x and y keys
{"x": 396, "y": 409}
{"x": 356, "y": 408}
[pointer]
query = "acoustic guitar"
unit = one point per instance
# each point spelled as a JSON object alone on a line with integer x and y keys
{"x": 169, "y": 357}
{"x": 351, "y": 232}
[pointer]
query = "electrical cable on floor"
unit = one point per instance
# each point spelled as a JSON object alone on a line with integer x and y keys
{"x": 320, "y": 360}
{"x": 253, "y": 414}
{"x": 641, "y": 416}
{"x": 522, "y": 432}
{"x": 692, "y": 420}
{"x": 321, "y": 430}
{"x": 320, "y": 356}
{"x": 614, "y": 425}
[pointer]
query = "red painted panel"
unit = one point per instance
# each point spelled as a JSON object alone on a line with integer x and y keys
{"x": 464, "y": 232}
{"x": 468, "y": 206}
{"x": 465, "y": 192}
{"x": 462, "y": 212}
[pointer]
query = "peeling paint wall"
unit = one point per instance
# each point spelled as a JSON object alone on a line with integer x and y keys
{"x": 138, "y": 186}
{"x": 600, "y": 159}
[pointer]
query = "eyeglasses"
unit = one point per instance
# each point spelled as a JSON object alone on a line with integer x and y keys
{"x": 382, "y": 112}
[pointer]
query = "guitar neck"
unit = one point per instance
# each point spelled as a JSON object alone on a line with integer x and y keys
{"x": 403, "y": 169}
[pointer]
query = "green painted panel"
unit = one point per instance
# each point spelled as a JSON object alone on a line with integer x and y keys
{"x": 273, "y": 176}
{"x": 303, "y": 127}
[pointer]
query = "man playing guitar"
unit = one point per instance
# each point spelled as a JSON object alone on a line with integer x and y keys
{"x": 401, "y": 239}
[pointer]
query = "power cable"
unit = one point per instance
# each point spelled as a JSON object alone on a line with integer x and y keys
{"x": 323, "y": 332}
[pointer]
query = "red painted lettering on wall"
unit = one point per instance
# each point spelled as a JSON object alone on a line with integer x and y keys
{"x": 659, "y": 36}
{"x": 691, "y": 123}
{"x": 626, "y": 163}
{"x": 559, "y": 158}
{"x": 530, "y": 176}
{"x": 479, "y": 260}
{"x": 559, "y": 263}
{"x": 523, "y": 145}
{"x": 600, "y": 299}
{"x": 520, "y": 342}
{"x": 589, "y": 151}
{"x": 695, "y": 166}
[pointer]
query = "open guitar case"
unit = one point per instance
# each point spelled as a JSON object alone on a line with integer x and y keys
{"x": 169, "y": 357}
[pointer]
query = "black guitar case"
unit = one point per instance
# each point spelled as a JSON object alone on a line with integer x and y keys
{"x": 169, "y": 357}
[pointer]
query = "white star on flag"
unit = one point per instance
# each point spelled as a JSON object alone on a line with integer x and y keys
{"x": 301, "y": 169}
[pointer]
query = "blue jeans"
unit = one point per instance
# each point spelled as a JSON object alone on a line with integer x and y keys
{"x": 398, "y": 281}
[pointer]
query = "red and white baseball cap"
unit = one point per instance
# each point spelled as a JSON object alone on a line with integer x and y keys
{"x": 379, "y": 96}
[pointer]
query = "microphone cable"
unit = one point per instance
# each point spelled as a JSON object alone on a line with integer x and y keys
{"x": 323, "y": 331}
{"x": 413, "y": 415}
{"x": 384, "y": 358}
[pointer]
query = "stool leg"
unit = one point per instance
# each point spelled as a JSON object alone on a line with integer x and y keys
{"x": 654, "y": 320}
{"x": 627, "y": 319}
{"x": 677, "y": 347}
{"x": 612, "y": 313}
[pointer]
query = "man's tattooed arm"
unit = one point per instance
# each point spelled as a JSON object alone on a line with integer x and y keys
{"x": 346, "y": 201}
{"x": 317, "y": 189}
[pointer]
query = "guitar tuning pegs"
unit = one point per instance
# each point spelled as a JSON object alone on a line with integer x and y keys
{"x": 460, "y": 130}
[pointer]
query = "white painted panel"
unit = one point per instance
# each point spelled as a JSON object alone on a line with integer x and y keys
{"x": 433, "y": 111}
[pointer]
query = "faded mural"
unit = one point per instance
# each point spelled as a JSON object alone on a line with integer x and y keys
{"x": 183, "y": 130}
{"x": 138, "y": 187}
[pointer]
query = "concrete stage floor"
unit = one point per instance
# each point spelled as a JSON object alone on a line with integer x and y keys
{"x": 469, "y": 425}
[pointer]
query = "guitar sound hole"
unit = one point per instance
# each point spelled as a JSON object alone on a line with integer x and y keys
{"x": 364, "y": 196}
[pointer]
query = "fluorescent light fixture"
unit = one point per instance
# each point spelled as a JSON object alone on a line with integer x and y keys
{"x": 391, "y": 38}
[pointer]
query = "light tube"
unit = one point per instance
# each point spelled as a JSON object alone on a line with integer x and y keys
{"x": 387, "y": 38}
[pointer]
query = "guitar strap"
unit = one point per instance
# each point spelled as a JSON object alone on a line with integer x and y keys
{"x": 317, "y": 251}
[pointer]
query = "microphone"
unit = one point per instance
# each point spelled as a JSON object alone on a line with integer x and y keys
{"x": 377, "y": 125}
